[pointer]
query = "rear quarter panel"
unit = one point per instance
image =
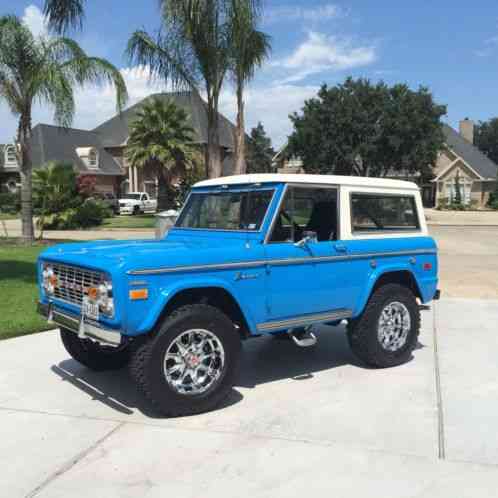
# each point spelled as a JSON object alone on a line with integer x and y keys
{"x": 376, "y": 254}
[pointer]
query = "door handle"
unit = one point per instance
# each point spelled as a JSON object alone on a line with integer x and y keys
{"x": 340, "y": 248}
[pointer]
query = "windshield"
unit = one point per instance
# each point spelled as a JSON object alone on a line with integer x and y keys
{"x": 135, "y": 197}
{"x": 226, "y": 210}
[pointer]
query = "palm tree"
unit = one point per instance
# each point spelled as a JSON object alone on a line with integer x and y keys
{"x": 192, "y": 51}
{"x": 54, "y": 189}
{"x": 250, "y": 47}
{"x": 64, "y": 14}
{"x": 47, "y": 71}
{"x": 160, "y": 138}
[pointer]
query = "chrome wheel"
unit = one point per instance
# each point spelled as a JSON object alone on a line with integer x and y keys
{"x": 194, "y": 362}
{"x": 394, "y": 326}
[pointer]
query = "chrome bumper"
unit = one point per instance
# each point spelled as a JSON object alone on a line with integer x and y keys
{"x": 78, "y": 325}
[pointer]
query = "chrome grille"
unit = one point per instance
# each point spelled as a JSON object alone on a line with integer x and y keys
{"x": 73, "y": 282}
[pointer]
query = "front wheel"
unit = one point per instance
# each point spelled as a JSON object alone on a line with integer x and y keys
{"x": 93, "y": 355}
{"x": 190, "y": 365}
{"x": 387, "y": 332}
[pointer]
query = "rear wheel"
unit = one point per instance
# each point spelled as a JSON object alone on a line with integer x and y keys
{"x": 93, "y": 355}
{"x": 387, "y": 332}
{"x": 190, "y": 365}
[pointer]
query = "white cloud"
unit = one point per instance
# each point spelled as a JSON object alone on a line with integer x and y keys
{"x": 319, "y": 53}
{"x": 34, "y": 19}
{"x": 489, "y": 47}
{"x": 94, "y": 104}
{"x": 271, "y": 105}
{"x": 308, "y": 14}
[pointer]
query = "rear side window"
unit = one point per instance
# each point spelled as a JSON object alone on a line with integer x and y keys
{"x": 381, "y": 212}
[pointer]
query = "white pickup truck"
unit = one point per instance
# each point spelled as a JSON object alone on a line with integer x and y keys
{"x": 136, "y": 203}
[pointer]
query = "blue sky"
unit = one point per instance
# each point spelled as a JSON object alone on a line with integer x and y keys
{"x": 451, "y": 47}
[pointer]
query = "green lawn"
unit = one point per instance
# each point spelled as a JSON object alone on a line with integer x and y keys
{"x": 18, "y": 290}
{"x": 8, "y": 216}
{"x": 128, "y": 221}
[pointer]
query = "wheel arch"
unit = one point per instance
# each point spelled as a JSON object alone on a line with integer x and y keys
{"x": 213, "y": 293}
{"x": 400, "y": 275}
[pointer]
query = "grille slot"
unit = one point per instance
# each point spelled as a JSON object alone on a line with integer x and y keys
{"x": 73, "y": 281}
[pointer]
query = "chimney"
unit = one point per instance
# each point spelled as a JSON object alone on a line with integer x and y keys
{"x": 467, "y": 130}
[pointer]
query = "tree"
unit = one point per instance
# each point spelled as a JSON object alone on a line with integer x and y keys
{"x": 250, "y": 47}
{"x": 486, "y": 138}
{"x": 259, "y": 151}
{"x": 54, "y": 189}
{"x": 358, "y": 128}
{"x": 46, "y": 71}
{"x": 192, "y": 51}
{"x": 160, "y": 138}
{"x": 64, "y": 14}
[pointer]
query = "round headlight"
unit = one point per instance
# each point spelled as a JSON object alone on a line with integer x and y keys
{"x": 49, "y": 279}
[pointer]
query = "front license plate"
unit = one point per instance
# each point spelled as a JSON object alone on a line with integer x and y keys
{"x": 89, "y": 309}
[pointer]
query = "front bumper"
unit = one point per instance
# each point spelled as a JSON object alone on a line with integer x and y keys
{"x": 126, "y": 209}
{"x": 86, "y": 329}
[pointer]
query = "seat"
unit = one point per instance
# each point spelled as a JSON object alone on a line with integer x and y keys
{"x": 323, "y": 220}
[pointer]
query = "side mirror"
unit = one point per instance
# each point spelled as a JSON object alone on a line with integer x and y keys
{"x": 308, "y": 236}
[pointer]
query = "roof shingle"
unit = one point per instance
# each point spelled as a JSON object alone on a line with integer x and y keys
{"x": 115, "y": 131}
{"x": 478, "y": 161}
{"x": 53, "y": 143}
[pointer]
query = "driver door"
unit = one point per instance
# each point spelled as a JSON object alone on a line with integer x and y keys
{"x": 312, "y": 277}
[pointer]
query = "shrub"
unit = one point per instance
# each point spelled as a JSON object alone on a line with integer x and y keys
{"x": 89, "y": 214}
{"x": 10, "y": 203}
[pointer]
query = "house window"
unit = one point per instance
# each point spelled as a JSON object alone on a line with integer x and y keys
{"x": 10, "y": 156}
{"x": 465, "y": 189}
{"x": 377, "y": 212}
{"x": 92, "y": 159}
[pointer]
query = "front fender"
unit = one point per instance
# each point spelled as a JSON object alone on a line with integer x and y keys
{"x": 374, "y": 276}
{"x": 168, "y": 292}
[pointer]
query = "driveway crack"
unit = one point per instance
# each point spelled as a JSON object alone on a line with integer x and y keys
{"x": 73, "y": 461}
{"x": 439, "y": 397}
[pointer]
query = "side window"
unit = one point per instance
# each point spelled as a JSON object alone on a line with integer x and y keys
{"x": 312, "y": 210}
{"x": 381, "y": 212}
{"x": 144, "y": 197}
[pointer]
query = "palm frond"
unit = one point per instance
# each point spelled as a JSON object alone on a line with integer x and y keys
{"x": 64, "y": 14}
{"x": 167, "y": 59}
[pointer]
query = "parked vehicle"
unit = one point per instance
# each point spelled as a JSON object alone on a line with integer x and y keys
{"x": 137, "y": 203}
{"x": 109, "y": 199}
{"x": 248, "y": 256}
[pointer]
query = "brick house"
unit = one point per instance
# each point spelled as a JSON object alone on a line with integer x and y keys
{"x": 101, "y": 152}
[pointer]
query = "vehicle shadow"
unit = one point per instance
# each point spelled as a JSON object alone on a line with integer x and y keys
{"x": 264, "y": 360}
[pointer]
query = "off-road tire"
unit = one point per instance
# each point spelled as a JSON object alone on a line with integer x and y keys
{"x": 92, "y": 355}
{"x": 146, "y": 363}
{"x": 363, "y": 331}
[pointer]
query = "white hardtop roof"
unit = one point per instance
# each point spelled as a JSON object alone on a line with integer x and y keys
{"x": 354, "y": 181}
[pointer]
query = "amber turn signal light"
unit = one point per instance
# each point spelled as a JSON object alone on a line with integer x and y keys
{"x": 138, "y": 294}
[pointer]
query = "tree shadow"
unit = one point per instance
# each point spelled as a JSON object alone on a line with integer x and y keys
{"x": 18, "y": 270}
{"x": 264, "y": 360}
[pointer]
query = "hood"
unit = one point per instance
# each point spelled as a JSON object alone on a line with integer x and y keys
{"x": 144, "y": 254}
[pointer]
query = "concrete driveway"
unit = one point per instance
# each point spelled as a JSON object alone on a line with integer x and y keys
{"x": 299, "y": 422}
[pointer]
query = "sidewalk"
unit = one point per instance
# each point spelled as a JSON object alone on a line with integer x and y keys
{"x": 14, "y": 230}
{"x": 298, "y": 422}
{"x": 461, "y": 218}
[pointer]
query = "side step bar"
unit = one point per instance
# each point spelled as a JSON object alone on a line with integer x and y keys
{"x": 305, "y": 339}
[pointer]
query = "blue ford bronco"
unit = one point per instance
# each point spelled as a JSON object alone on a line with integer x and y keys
{"x": 248, "y": 256}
